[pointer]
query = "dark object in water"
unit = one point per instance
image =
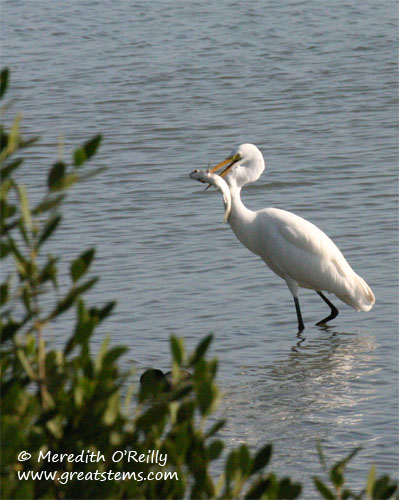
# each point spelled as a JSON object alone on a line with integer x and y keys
{"x": 155, "y": 380}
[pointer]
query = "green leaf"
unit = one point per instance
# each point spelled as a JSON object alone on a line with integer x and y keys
{"x": 28, "y": 142}
{"x": 129, "y": 393}
{"x": 215, "y": 449}
{"x": 13, "y": 247}
{"x": 27, "y": 298}
{"x": 322, "y": 457}
{"x": 49, "y": 271}
{"x": 85, "y": 152}
{"x": 3, "y": 139}
{"x": 84, "y": 331}
{"x": 262, "y": 458}
{"x": 4, "y": 78}
{"x": 82, "y": 319}
{"x": 106, "y": 310}
{"x": 383, "y": 488}
{"x": 177, "y": 346}
{"x": 336, "y": 476}
{"x": 154, "y": 416}
{"x": 113, "y": 354}
{"x": 232, "y": 464}
{"x": 186, "y": 412}
{"x": 13, "y": 139}
{"x": 4, "y": 250}
{"x": 24, "y": 232}
{"x": 215, "y": 428}
{"x": 91, "y": 146}
{"x": 7, "y": 211}
{"x": 9, "y": 329}
{"x": 370, "y": 482}
{"x": 79, "y": 157}
{"x": 86, "y": 286}
{"x": 48, "y": 203}
{"x": 66, "y": 182}
{"x": 343, "y": 462}
{"x": 259, "y": 489}
{"x": 24, "y": 204}
{"x": 55, "y": 427}
{"x": 323, "y": 489}
{"x": 180, "y": 394}
{"x": 206, "y": 396}
{"x": 49, "y": 228}
{"x": 83, "y": 314}
{"x": 113, "y": 409}
{"x": 80, "y": 266}
{"x": 26, "y": 365}
{"x": 3, "y": 293}
{"x": 7, "y": 169}
{"x": 65, "y": 303}
{"x": 244, "y": 460}
{"x": 56, "y": 175}
{"x": 6, "y": 185}
{"x": 46, "y": 416}
{"x": 201, "y": 349}
{"x": 289, "y": 490}
{"x": 78, "y": 395}
{"x": 104, "y": 346}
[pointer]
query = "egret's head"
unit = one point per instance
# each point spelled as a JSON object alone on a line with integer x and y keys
{"x": 244, "y": 165}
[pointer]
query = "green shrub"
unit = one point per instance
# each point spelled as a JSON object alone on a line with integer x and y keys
{"x": 75, "y": 403}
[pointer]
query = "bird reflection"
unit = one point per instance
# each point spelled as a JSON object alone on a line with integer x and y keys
{"x": 301, "y": 339}
{"x": 311, "y": 393}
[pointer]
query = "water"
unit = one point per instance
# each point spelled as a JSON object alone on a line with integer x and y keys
{"x": 175, "y": 85}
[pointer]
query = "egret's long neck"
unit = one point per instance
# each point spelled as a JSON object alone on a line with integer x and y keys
{"x": 241, "y": 218}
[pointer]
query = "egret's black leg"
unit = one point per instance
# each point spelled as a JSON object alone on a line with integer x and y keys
{"x": 301, "y": 326}
{"x": 334, "y": 310}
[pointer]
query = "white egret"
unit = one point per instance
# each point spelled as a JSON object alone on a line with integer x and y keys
{"x": 294, "y": 248}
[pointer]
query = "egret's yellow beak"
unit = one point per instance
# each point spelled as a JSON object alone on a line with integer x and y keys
{"x": 220, "y": 165}
{"x": 229, "y": 162}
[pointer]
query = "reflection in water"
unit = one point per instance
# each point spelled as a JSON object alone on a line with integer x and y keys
{"x": 308, "y": 395}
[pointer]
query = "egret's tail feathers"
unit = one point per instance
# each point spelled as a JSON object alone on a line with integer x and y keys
{"x": 359, "y": 295}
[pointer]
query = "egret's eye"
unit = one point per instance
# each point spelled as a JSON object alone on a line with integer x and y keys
{"x": 236, "y": 157}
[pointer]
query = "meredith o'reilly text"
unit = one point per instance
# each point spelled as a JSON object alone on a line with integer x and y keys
{"x": 87, "y": 456}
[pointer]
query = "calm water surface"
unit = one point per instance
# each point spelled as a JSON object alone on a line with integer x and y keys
{"x": 175, "y": 85}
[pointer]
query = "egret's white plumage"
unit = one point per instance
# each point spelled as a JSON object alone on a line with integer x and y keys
{"x": 295, "y": 249}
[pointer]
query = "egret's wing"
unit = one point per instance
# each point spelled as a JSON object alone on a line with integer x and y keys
{"x": 301, "y": 233}
{"x": 299, "y": 237}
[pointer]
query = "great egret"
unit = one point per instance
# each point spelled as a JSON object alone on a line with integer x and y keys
{"x": 294, "y": 248}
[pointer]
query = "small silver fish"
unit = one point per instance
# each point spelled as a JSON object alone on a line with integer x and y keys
{"x": 219, "y": 183}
